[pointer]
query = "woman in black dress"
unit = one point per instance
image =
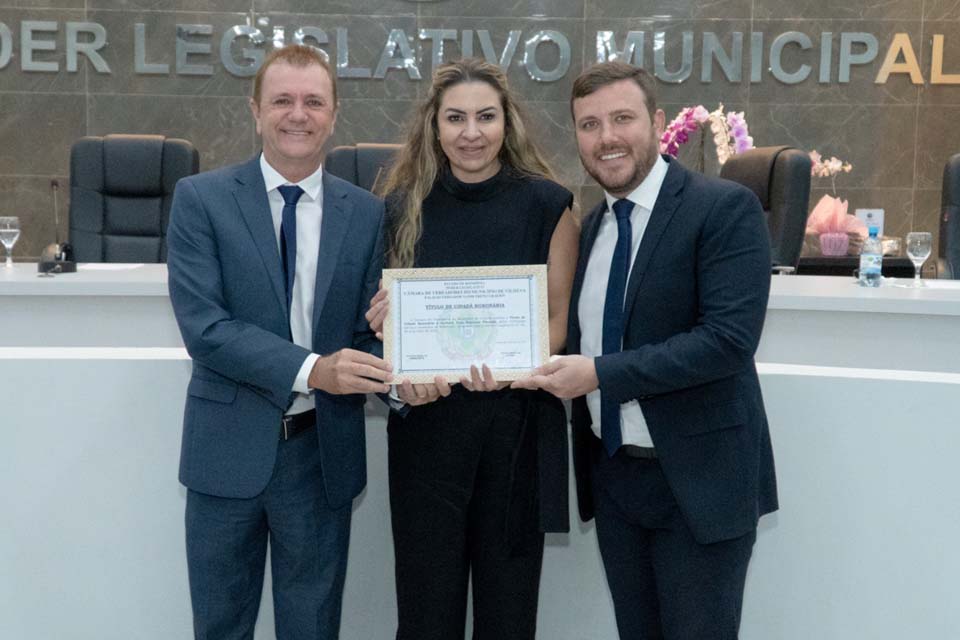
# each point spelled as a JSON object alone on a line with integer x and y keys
{"x": 478, "y": 475}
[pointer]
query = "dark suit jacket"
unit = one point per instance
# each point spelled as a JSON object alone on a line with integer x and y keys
{"x": 695, "y": 305}
{"x": 227, "y": 290}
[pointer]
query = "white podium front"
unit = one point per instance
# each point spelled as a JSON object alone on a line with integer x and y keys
{"x": 858, "y": 384}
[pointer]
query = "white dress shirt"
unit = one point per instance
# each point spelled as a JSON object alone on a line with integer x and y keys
{"x": 309, "y": 217}
{"x": 633, "y": 426}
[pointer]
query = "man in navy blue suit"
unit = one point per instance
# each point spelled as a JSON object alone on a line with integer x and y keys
{"x": 272, "y": 263}
{"x": 671, "y": 445}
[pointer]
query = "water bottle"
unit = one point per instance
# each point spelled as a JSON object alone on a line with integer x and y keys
{"x": 871, "y": 260}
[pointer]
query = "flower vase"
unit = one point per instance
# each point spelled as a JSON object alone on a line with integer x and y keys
{"x": 834, "y": 244}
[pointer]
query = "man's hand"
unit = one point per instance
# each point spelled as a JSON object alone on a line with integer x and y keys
{"x": 564, "y": 377}
{"x": 350, "y": 371}
{"x": 417, "y": 394}
{"x": 379, "y": 306}
{"x": 482, "y": 381}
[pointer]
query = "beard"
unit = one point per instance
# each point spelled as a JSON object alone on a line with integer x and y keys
{"x": 622, "y": 183}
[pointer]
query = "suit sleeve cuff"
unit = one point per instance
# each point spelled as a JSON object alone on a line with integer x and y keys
{"x": 393, "y": 399}
{"x": 300, "y": 382}
{"x": 610, "y": 377}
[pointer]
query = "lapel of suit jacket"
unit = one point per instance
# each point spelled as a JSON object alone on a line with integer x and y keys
{"x": 668, "y": 200}
{"x": 333, "y": 229}
{"x": 588, "y": 236}
{"x": 251, "y": 197}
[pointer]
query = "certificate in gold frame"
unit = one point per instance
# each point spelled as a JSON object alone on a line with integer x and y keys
{"x": 443, "y": 333}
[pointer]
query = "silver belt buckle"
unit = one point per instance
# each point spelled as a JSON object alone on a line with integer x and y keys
{"x": 286, "y": 427}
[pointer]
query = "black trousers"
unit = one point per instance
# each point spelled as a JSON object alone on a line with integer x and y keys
{"x": 665, "y": 585}
{"x": 451, "y": 468}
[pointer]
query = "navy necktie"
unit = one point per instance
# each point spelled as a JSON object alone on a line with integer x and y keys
{"x": 288, "y": 237}
{"x": 613, "y": 320}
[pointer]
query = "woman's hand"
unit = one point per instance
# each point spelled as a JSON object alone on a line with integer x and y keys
{"x": 482, "y": 380}
{"x": 379, "y": 306}
{"x": 417, "y": 394}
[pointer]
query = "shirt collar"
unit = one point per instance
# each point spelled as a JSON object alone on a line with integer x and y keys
{"x": 647, "y": 191}
{"x": 312, "y": 185}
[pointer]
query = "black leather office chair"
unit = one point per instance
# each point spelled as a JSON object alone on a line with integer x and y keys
{"x": 121, "y": 188}
{"x": 363, "y": 164}
{"x": 948, "y": 250}
{"x": 780, "y": 176}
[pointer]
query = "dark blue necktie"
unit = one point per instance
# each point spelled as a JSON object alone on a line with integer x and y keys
{"x": 288, "y": 236}
{"x": 613, "y": 320}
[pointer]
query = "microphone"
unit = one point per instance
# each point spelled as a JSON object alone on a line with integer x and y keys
{"x": 56, "y": 257}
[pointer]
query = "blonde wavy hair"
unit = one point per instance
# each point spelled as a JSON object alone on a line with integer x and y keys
{"x": 421, "y": 159}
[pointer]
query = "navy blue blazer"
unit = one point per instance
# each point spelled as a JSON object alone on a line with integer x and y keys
{"x": 226, "y": 286}
{"x": 695, "y": 305}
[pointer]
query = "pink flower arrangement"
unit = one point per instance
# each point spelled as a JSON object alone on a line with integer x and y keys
{"x": 830, "y": 216}
{"x": 829, "y": 219}
{"x": 678, "y": 131}
{"x": 730, "y": 132}
{"x": 827, "y": 168}
{"x": 821, "y": 168}
{"x": 739, "y": 132}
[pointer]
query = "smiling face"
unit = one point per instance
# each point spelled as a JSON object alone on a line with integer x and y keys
{"x": 470, "y": 126}
{"x": 616, "y": 136}
{"x": 295, "y": 116}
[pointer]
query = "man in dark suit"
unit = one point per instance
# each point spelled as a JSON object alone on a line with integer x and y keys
{"x": 271, "y": 265}
{"x": 671, "y": 445}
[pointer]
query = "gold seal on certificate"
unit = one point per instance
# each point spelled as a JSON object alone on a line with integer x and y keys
{"x": 441, "y": 321}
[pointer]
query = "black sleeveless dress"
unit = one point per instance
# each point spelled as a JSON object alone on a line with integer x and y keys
{"x": 476, "y": 478}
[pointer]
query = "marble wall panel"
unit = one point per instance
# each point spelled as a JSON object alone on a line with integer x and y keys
{"x": 848, "y": 9}
{"x": 877, "y": 140}
{"x": 938, "y": 139}
{"x": 941, "y": 9}
{"x": 37, "y": 130}
{"x": 43, "y": 4}
{"x": 927, "y": 208}
{"x": 31, "y": 199}
{"x": 371, "y": 121}
{"x": 12, "y": 78}
{"x": 547, "y": 54}
{"x": 861, "y": 88}
{"x": 171, "y": 5}
{"x": 512, "y": 8}
{"x": 950, "y": 62}
{"x": 392, "y": 8}
{"x": 550, "y": 125}
{"x": 160, "y": 41}
{"x": 682, "y": 9}
{"x": 220, "y": 128}
{"x": 692, "y": 90}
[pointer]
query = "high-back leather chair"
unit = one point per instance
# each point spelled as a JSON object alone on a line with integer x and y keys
{"x": 363, "y": 164}
{"x": 121, "y": 188}
{"x": 948, "y": 249}
{"x": 780, "y": 176}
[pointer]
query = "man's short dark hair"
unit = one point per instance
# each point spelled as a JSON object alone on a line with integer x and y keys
{"x": 604, "y": 73}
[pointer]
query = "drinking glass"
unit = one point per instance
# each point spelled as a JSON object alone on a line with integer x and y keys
{"x": 9, "y": 233}
{"x": 919, "y": 245}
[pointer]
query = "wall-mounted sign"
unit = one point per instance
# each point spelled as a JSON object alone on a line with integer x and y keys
{"x": 195, "y": 49}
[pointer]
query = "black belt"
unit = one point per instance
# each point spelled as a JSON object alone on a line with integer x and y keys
{"x": 634, "y": 451}
{"x": 296, "y": 424}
